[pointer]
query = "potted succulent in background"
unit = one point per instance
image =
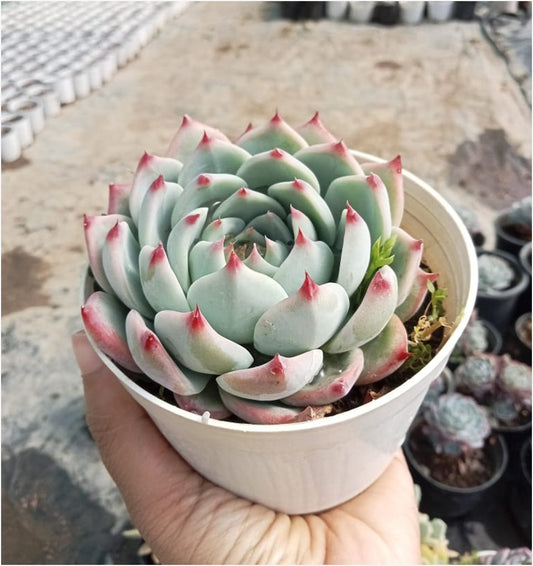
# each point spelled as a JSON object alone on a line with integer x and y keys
{"x": 513, "y": 227}
{"x": 501, "y": 283}
{"x": 258, "y": 281}
{"x": 470, "y": 217}
{"x": 503, "y": 386}
{"x": 479, "y": 337}
{"x": 453, "y": 455}
{"x": 522, "y": 333}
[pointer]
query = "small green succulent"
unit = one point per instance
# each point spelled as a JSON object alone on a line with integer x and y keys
{"x": 259, "y": 279}
{"x": 495, "y": 273}
{"x": 455, "y": 424}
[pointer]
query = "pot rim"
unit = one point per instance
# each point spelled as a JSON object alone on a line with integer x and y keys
{"x": 330, "y": 421}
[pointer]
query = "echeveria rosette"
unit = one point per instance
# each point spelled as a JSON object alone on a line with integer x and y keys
{"x": 247, "y": 278}
{"x": 455, "y": 424}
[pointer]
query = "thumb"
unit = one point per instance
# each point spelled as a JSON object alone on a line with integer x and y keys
{"x": 132, "y": 448}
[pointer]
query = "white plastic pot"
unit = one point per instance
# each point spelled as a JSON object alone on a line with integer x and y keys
{"x": 32, "y": 108}
{"x": 411, "y": 12}
{"x": 48, "y": 98}
{"x": 336, "y": 10}
{"x": 312, "y": 466}
{"x": 361, "y": 12}
{"x": 11, "y": 149}
{"x": 439, "y": 10}
{"x": 22, "y": 125}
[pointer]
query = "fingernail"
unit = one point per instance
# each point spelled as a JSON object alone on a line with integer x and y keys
{"x": 87, "y": 359}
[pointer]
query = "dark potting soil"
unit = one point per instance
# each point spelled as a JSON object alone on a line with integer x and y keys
{"x": 470, "y": 470}
{"x": 519, "y": 231}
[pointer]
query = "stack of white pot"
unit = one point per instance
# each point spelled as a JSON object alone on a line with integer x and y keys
{"x": 54, "y": 53}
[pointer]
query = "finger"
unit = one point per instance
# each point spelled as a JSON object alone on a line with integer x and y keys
{"x": 142, "y": 463}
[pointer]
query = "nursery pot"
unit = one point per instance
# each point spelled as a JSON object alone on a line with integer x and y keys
{"x": 447, "y": 502}
{"x": 524, "y": 302}
{"x": 499, "y": 307}
{"x": 311, "y": 466}
{"x": 507, "y": 238}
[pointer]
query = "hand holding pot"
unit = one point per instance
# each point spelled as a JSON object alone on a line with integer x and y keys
{"x": 186, "y": 519}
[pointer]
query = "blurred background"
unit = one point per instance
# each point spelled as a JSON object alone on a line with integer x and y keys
{"x": 87, "y": 87}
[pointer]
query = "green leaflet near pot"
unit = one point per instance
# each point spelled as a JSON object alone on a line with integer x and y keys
{"x": 501, "y": 283}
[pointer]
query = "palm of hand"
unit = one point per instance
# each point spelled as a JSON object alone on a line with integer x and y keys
{"x": 187, "y": 519}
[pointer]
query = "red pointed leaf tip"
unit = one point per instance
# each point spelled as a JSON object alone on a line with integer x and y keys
{"x": 243, "y": 192}
{"x": 158, "y": 256}
{"x": 276, "y": 119}
{"x": 114, "y": 233}
{"x": 191, "y": 219}
{"x": 149, "y": 341}
{"x": 196, "y": 320}
{"x": 158, "y": 184}
{"x": 301, "y": 239}
{"x": 340, "y": 148}
{"x": 396, "y": 164}
{"x": 315, "y": 120}
{"x": 373, "y": 180}
{"x": 351, "y": 215}
{"x": 87, "y": 221}
{"x": 254, "y": 254}
{"x": 380, "y": 284}
{"x": 299, "y": 184}
{"x": 309, "y": 288}
{"x": 339, "y": 387}
{"x": 295, "y": 213}
{"x": 145, "y": 160}
{"x": 417, "y": 245}
{"x": 402, "y": 355}
{"x": 205, "y": 139}
{"x": 203, "y": 180}
{"x": 234, "y": 263}
{"x": 276, "y": 366}
{"x": 186, "y": 121}
{"x": 276, "y": 153}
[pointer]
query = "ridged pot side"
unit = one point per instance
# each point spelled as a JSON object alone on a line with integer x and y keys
{"x": 311, "y": 466}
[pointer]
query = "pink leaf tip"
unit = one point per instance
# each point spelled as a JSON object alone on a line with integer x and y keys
{"x": 158, "y": 255}
{"x": 196, "y": 320}
{"x": 309, "y": 288}
{"x": 298, "y": 184}
{"x": 158, "y": 184}
{"x": 234, "y": 263}
{"x": 191, "y": 219}
{"x": 396, "y": 164}
{"x": 203, "y": 180}
{"x": 276, "y": 153}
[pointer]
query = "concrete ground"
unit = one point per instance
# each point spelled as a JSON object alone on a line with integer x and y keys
{"x": 439, "y": 94}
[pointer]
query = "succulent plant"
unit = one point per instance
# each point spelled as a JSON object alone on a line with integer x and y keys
{"x": 474, "y": 340}
{"x": 495, "y": 273}
{"x": 500, "y": 383}
{"x": 513, "y": 390}
{"x": 477, "y": 375}
{"x": 261, "y": 278}
{"x": 455, "y": 424}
